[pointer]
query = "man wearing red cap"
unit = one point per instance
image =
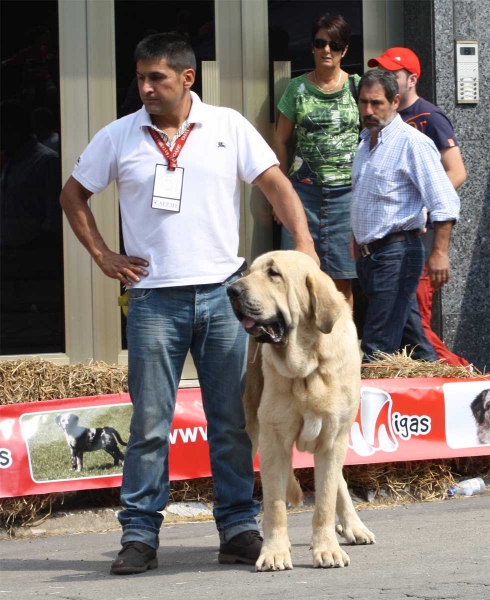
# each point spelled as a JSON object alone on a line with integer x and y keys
{"x": 430, "y": 120}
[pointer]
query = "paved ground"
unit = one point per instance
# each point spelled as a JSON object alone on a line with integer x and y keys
{"x": 424, "y": 551}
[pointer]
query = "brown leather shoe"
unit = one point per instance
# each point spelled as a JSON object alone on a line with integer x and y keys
{"x": 134, "y": 557}
{"x": 243, "y": 548}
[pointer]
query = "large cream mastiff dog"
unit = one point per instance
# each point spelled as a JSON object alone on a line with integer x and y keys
{"x": 303, "y": 388}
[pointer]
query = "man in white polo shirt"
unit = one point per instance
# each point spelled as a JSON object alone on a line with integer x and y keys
{"x": 178, "y": 165}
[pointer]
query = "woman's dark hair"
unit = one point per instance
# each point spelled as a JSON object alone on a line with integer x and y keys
{"x": 337, "y": 28}
{"x": 174, "y": 48}
{"x": 385, "y": 79}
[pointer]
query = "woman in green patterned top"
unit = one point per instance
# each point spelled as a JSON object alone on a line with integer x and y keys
{"x": 320, "y": 106}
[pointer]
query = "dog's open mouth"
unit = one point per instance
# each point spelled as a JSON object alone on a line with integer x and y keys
{"x": 266, "y": 332}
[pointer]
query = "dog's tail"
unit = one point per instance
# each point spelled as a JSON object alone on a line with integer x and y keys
{"x": 294, "y": 495}
{"x": 115, "y": 432}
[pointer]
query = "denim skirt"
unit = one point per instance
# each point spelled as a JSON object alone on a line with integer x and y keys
{"x": 328, "y": 213}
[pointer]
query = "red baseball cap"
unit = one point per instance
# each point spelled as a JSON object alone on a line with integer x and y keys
{"x": 397, "y": 58}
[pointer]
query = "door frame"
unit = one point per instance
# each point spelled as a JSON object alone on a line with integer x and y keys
{"x": 88, "y": 102}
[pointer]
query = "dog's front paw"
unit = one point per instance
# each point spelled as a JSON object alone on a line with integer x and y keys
{"x": 274, "y": 557}
{"x": 356, "y": 534}
{"x": 329, "y": 556}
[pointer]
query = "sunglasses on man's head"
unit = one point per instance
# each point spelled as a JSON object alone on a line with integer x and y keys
{"x": 334, "y": 46}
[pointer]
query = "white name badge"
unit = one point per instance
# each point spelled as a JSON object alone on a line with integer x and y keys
{"x": 167, "y": 188}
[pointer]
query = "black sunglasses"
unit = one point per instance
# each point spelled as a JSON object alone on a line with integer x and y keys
{"x": 334, "y": 46}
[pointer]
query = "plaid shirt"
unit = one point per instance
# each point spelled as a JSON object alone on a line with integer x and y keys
{"x": 394, "y": 182}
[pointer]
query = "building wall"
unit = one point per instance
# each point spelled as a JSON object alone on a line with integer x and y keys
{"x": 431, "y": 28}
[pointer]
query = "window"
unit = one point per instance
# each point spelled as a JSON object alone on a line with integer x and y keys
{"x": 31, "y": 244}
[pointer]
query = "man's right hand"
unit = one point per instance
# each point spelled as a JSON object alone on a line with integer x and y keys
{"x": 437, "y": 267}
{"x": 127, "y": 269}
{"x": 309, "y": 249}
{"x": 276, "y": 218}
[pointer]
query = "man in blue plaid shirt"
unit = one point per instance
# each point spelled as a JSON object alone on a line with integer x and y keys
{"x": 397, "y": 173}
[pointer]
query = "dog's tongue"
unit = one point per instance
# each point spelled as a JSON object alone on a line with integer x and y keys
{"x": 247, "y": 323}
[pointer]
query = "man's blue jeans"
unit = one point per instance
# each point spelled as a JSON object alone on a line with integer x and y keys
{"x": 163, "y": 325}
{"x": 389, "y": 277}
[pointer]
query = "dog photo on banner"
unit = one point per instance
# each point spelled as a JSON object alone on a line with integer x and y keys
{"x": 82, "y": 442}
{"x": 467, "y": 407}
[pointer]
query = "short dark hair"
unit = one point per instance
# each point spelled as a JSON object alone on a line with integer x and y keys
{"x": 386, "y": 79}
{"x": 174, "y": 48}
{"x": 337, "y": 28}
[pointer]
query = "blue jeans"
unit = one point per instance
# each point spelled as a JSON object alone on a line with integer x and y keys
{"x": 389, "y": 278}
{"x": 163, "y": 325}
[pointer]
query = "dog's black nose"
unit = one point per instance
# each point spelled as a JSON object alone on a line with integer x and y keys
{"x": 235, "y": 289}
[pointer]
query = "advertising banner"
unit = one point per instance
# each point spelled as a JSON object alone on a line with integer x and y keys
{"x": 79, "y": 443}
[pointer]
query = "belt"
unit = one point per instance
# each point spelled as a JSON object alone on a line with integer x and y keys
{"x": 391, "y": 238}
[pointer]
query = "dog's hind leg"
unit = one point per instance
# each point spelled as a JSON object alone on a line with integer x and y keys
{"x": 254, "y": 384}
{"x": 116, "y": 454}
{"x": 350, "y": 526}
{"x": 120, "y": 458}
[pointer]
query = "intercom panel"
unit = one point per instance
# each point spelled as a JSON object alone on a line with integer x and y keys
{"x": 467, "y": 83}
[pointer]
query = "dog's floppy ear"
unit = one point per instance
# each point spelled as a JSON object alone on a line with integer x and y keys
{"x": 324, "y": 300}
{"x": 57, "y": 420}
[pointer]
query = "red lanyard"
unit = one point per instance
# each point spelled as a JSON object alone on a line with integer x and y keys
{"x": 164, "y": 149}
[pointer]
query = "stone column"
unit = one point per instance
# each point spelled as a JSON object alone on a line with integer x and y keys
{"x": 431, "y": 29}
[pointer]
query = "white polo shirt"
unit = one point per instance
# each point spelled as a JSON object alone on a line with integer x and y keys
{"x": 199, "y": 244}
